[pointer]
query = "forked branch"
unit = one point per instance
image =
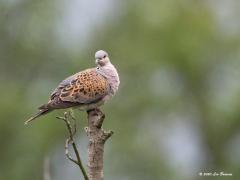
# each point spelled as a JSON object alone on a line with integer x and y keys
{"x": 97, "y": 138}
{"x": 70, "y": 140}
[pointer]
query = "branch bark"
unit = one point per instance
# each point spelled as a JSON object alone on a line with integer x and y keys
{"x": 97, "y": 138}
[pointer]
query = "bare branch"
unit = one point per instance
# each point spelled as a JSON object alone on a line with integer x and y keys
{"x": 72, "y": 131}
{"x": 97, "y": 137}
{"x": 67, "y": 152}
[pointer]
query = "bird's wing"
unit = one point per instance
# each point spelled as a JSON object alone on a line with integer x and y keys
{"x": 83, "y": 88}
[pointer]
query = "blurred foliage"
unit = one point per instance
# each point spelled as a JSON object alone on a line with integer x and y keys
{"x": 178, "y": 64}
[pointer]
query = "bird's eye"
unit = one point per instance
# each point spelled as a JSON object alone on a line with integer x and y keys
{"x": 104, "y": 56}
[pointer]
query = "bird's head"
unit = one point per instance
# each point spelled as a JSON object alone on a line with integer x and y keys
{"x": 102, "y": 58}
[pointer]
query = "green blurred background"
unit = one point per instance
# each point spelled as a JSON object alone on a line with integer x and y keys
{"x": 177, "y": 112}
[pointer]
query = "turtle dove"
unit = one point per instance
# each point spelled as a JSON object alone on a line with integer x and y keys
{"x": 84, "y": 90}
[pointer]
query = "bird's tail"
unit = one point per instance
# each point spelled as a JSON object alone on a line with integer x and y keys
{"x": 42, "y": 110}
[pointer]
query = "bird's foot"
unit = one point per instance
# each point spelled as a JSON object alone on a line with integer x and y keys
{"x": 95, "y": 111}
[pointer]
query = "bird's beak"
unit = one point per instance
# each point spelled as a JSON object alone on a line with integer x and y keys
{"x": 97, "y": 61}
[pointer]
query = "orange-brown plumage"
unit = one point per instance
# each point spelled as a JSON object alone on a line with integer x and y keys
{"x": 86, "y": 90}
{"x": 82, "y": 88}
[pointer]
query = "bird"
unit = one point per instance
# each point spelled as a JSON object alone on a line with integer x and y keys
{"x": 85, "y": 90}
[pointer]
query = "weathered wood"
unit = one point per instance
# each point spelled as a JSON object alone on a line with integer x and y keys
{"x": 97, "y": 138}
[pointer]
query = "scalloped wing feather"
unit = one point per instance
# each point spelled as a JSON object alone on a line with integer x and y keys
{"x": 82, "y": 88}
